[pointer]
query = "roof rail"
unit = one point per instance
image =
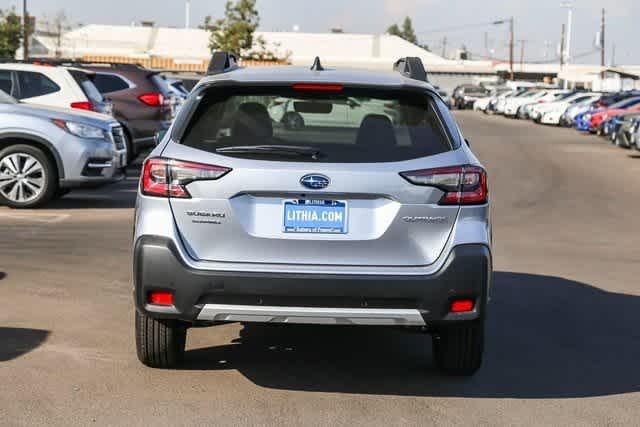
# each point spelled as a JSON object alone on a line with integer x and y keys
{"x": 222, "y": 62}
{"x": 411, "y": 67}
{"x": 67, "y": 62}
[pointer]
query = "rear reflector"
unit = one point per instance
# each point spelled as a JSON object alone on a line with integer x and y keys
{"x": 84, "y": 105}
{"x": 462, "y": 306}
{"x": 169, "y": 178}
{"x": 318, "y": 87}
{"x": 153, "y": 99}
{"x": 462, "y": 185}
{"x": 161, "y": 298}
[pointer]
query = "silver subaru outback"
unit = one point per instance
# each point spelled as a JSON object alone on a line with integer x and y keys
{"x": 314, "y": 196}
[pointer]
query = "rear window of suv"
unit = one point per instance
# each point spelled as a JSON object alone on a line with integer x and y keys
{"x": 349, "y": 126}
{"x": 90, "y": 90}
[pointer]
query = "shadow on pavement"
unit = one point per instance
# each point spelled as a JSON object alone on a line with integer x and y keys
{"x": 121, "y": 195}
{"x": 2, "y": 275}
{"x": 548, "y": 337}
{"x": 15, "y": 342}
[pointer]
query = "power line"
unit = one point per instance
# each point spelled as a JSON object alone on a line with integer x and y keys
{"x": 464, "y": 27}
{"x": 538, "y": 61}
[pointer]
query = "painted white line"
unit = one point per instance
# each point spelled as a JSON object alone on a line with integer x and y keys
{"x": 39, "y": 218}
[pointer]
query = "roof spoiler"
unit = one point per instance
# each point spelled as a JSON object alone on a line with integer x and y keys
{"x": 222, "y": 62}
{"x": 411, "y": 67}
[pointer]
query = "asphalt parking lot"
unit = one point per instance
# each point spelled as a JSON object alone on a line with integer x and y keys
{"x": 563, "y": 336}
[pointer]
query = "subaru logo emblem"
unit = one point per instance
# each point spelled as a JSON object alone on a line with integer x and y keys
{"x": 315, "y": 181}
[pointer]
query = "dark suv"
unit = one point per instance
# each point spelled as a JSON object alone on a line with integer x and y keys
{"x": 142, "y": 102}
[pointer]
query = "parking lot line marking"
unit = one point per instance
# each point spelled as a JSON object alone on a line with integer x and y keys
{"x": 40, "y": 218}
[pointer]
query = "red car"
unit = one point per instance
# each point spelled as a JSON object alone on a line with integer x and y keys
{"x": 626, "y": 106}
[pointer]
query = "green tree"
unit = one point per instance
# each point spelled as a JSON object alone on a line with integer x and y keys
{"x": 208, "y": 24}
{"x": 235, "y": 32}
{"x": 409, "y": 32}
{"x": 10, "y": 33}
{"x": 406, "y": 32}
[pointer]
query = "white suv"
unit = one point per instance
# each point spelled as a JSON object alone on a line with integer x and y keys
{"x": 350, "y": 112}
{"x": 54, "y": 86}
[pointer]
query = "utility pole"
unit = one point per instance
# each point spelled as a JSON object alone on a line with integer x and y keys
{"x": 562, "y": 48}
{"x": 25, "y": 31}
{"x": 569, "y": 6}
{"x": 602, "y": 45}
{"x": 444, "y": 47}
{"x": 511, "y": 74}
{"x": 522, "y": 43}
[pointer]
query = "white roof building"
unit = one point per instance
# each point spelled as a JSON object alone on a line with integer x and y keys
{"x": 188, "y": 50}
{"x": 377, "y": 51}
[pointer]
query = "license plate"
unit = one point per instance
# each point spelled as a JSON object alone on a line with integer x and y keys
{"x": 315, "y": 216}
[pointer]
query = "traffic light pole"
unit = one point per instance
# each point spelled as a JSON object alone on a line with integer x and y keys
{"x": 25, "y": 31}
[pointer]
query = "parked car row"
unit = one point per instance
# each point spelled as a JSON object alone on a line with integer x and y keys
{"x": 65, "y": 125}
{"x": 615, "y": 116}
{"x": 620, "y": 123}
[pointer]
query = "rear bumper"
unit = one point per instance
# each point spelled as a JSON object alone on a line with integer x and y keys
{"x": 205, "y": 296}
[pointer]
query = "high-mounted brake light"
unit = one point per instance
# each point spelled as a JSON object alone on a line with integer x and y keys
{"x": 169, "y": 178}
{"x": 83, "y": 105}
{"x": 318, "y": 87}
{"x": 153, "y": 99}
{"x": 462, "y": 185}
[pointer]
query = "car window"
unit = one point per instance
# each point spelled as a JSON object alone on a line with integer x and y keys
{"x": 580, "y": 99}
{"x": 629, "y": 102}
{"x": 34, "y": 84}
{"x": 352, "y": 126}
{"x": 86, "y": 84}
{"x": 6, "y": 98}
{"x": 108, "y": 83}
{"x": 6, "y": 84}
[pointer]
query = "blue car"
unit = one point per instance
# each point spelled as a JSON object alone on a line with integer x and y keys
{"x": 583, "y": 121}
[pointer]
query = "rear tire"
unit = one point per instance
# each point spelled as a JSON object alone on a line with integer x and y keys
{"x": 160, "y": 343}
{"x": 457, "y": 349}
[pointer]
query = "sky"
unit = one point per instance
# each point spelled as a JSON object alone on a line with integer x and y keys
{"x": 462, "y": 22}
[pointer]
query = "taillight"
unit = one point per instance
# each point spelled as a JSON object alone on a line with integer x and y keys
{"x": 83, "y": 105}
{"x": 153, "y": 99}
{"x": 462, "y": 185}
{"x": 169, "y": 178}
{"x": 161, "y": 298}
{"x": 462, "y": 306}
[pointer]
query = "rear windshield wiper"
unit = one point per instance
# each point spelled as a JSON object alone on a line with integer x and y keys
{"x": 285, "y": 150}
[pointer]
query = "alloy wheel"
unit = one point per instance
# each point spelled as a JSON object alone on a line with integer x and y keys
{"x": 22, "y": 177}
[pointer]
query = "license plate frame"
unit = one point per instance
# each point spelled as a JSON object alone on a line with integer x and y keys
{"x": 317, "y": 217}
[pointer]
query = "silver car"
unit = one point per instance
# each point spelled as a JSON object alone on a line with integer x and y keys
{"x": 48, "y": 151}
{"x": 242, "y": 219}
